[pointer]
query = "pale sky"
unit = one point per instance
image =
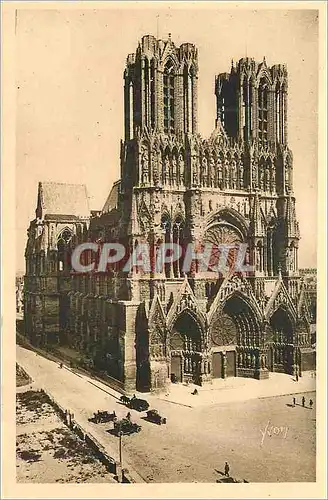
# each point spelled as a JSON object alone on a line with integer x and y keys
{"x": 69, "y": 70}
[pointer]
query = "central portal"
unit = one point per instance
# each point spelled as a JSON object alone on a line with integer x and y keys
{"x": 186, "y": 349}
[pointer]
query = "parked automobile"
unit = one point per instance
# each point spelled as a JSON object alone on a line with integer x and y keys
{"x": 102, "y": 417}
{"x": 230, "y": 479}
{"x": 138, "y": 404}
{"x": 135, "y": 403}
{"x": 154, "y": 416}
{"x": 126, "y": 427}
{"x": 124, "y": 399}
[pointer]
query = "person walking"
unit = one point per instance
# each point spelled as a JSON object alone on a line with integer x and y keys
{"x": 294, "y": 401}
{"x": 311, "y": 403}
{"x": 303, "y": 401}
{"x": 226, "y": 469}
{"x": 296, "y": 376}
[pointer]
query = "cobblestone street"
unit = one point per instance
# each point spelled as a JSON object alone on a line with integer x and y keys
{"x": 264, "y": 440}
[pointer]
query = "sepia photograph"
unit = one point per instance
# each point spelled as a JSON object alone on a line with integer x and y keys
{"x": 166, "y": 194}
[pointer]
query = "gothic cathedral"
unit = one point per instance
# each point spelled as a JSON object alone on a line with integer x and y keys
{"x": 146, "y": 330}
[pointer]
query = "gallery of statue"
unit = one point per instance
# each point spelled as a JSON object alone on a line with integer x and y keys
{"x": 147, "y": 330}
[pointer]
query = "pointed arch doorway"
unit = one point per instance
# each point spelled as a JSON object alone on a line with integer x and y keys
{"x": 282, "y": 349}
{"x": 186, "y": 349}
{"x": 235, "y": 340}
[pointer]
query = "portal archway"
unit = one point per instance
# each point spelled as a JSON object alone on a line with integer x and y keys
{"x": 235, "y": 339}
{"x": 282, "y": 347}
{"x": 186, "y": 349}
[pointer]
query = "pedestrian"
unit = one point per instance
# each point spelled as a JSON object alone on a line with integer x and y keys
{"x": 294, "y": 401}
{"x": 303, "y": 401}
{"x": 226, "y": 469}
{"x": 296, "y": 376}
{"x": 128, "y": 416}
{"x": 311, "y": 403}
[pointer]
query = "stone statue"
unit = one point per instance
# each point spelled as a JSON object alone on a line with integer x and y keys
{"x": 166, "y": 169}
{"x": 195, "y": 172}
{"x": 233, "y": 174}
{"x": 212, "y": 171}
{"x": 181, "y": 169}
{"x": 289, "y": 259}
{"x": 287, "y": 176}
{"x": 174, "y": 169}
{"x": 219, "y": 170}
{"x": 267, "y": 179}
{"x": 155, "y": 165}
{"x": 227, "y": 176}
{"x": 261, "y": 176}
{"x": 254, "y": 174}
{"x": 203, "y": 171}
{"x": 273, "y": 176}
{"x": 241, "y": 174}
{"x": 144, "y": 165}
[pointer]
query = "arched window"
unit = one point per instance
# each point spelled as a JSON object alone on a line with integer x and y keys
{"x": 167, "y": 236}
{"x": 64, "y": 250}
{"x": 247, "y": 109}
{"x": 130, "y": 110}
{"x": 168, "y": 90}
{"x": 178, "y": 239}
{"x": 282, "y": 113}
{"x": 263, "y": 111}
{"x": 244, "y": 104}
{"x": 188, "y": 98}
{"x": 152, "y": 94}
{"x": 278, "y": 113}
{"x": 146, "y": 91}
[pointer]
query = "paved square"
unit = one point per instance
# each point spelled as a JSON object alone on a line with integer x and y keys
{"x": 195, "y": 441}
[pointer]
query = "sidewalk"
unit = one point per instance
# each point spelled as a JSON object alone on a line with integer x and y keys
{"x": 239, "y": 389}
{"x": 78, "y": 394}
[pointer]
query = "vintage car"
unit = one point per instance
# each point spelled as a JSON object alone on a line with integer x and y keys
{"x": 124, "y": 399}
{"x": 229, "y": 479}
{"x": 135, "y": 403}
{"x": 154, "y": 416}
{"x": 103, "y": 416}
{"x": 126, "y": 427}
{"x": 138, "y": 404}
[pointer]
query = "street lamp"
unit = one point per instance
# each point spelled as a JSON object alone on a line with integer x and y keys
{"x": 120, "y": 464}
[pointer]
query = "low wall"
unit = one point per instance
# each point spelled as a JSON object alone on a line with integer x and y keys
{"x": 91, "y": 441}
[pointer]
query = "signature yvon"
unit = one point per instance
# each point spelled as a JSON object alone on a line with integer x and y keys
{"x": 272, "y": 430}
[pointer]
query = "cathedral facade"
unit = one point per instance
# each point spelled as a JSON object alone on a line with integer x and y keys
{"x": 146, "y": 329}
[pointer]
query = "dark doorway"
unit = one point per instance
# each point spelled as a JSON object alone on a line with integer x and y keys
{"x": 231, "y": 364}
{"x": 270, "y": 359}
{"x": 217, "y": 368}
{"x": 186, "y": 338}
{"x": 282, "y": 328}
{"x": 176, "y": 371}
